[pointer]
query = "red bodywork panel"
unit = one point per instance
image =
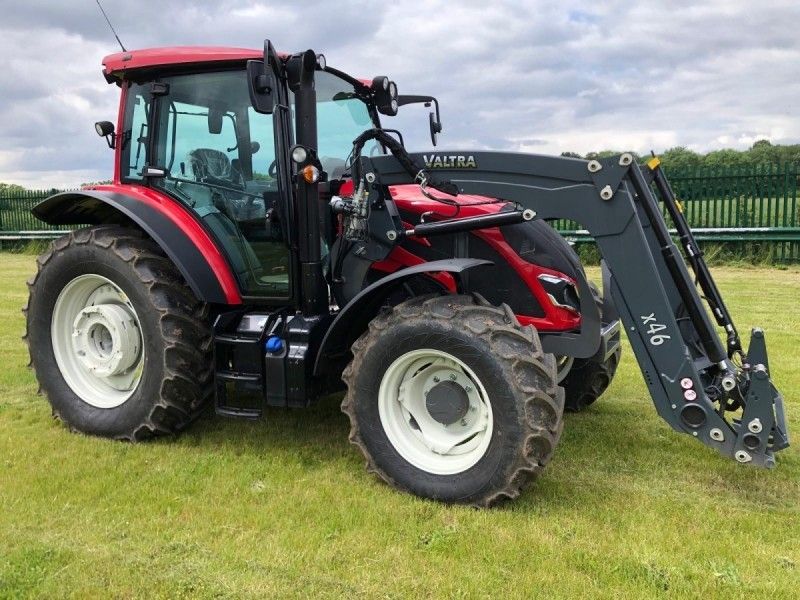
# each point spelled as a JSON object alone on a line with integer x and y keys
{"x": 409, "y": 199}
{"x": 186, "y": 221}
{"x": 155, "y": 57}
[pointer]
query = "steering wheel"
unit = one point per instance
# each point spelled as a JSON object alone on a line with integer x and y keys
{"x": 272, "y": 171}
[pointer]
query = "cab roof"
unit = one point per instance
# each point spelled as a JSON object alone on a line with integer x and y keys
{"x": 115, "y": 65}
{"x": 120, "y": 62}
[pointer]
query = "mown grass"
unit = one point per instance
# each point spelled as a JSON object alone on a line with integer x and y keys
{"x": 283, "y": 507}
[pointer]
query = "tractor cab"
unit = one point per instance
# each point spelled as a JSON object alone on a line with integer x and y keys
{"x": 190, "y": 130}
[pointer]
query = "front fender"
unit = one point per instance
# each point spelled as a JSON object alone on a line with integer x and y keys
{"x": 173, "y": 227}
{"x": 354, "y": 317}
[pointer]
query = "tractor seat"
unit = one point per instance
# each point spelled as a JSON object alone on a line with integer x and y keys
{"x": 209, "y": 163}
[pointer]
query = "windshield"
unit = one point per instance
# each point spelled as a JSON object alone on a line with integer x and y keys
{"x": 341, "y": 117}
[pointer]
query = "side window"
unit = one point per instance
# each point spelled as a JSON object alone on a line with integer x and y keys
{"x": 198, "y": 136}
{"x": 261, "y": 133}
{"x": 136, "y": 136}
{"x": 218, "y": 155}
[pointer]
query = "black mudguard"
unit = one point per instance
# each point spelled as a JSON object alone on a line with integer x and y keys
{"x": 353, "y": 318}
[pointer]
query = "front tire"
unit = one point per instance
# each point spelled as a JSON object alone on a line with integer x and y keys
{"x": 452, "y": 399}
{"x": 118, "y": 342}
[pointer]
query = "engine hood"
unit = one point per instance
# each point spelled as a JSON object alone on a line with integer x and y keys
{"x": 534, "y": 241}
{"x": 411, "y": 199}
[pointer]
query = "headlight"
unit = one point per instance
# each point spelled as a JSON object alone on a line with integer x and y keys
{"x": 299, "y": 154}
{"x": 380, "y": 83}
{"x": 561, "y": 291}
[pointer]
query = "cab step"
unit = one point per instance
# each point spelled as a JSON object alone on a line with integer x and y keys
{"x": 239, "y": 370}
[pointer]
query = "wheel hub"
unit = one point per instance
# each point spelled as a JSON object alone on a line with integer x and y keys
{"x": 435, "y": 411}
{"x": 97, "y": 341}
{"x": 106, "y": 339}
{"x": 447, "y": 402}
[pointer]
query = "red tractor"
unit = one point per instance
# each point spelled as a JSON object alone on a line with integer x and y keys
{"x": 266, "y": 239}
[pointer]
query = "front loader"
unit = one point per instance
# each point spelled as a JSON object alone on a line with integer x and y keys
{"x": 266, "y": 241}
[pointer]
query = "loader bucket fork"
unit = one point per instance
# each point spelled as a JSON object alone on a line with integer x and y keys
{"x": 716, "y": 393}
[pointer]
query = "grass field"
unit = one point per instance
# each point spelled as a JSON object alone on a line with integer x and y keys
{"x": 283, "y": 507}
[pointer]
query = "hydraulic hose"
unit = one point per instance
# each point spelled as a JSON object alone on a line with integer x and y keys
{"x": 399, "y": 152}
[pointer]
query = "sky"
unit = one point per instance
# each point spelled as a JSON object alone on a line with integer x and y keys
{"x": 530, "y": 75}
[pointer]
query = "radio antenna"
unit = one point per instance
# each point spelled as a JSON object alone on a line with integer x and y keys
{"x": 100, "y": 6}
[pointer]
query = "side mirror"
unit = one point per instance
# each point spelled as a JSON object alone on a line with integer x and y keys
{"x": 106, "y": 129}
{"x": 435, "y": 127}
{"x": 254, "y": 147}
{"x": 262, "y": 85}
{"x": 434, "y": 120}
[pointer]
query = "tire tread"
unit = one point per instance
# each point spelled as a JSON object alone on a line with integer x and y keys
{"x": 181, "y": 399}
{"x": 533, "y": 376}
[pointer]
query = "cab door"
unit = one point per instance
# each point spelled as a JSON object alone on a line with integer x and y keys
{"x": 220, "y": 159}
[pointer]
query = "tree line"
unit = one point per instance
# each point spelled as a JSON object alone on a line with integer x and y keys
{"x": 10, "y": 188}
{"x": 680, "y": 157}
{"x": 760, "y": 153}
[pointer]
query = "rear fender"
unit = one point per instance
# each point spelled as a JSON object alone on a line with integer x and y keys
{"x": 354, "y": 317}
{"x": 179, "y": 234}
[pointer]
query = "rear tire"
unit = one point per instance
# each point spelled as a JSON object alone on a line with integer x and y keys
{"x": 162, "y": 380}
{"x": 587, "y": 378}
{"x": 471, "y": 353}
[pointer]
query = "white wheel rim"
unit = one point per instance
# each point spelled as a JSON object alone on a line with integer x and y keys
{"x": 563, "y": 366}
{"x": 97, "y": 341}
{"x": 426, "y": 443}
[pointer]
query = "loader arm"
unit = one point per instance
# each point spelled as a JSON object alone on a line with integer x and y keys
{"x": 695, "y": 384}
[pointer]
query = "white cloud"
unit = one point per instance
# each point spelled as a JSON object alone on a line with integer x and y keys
{"x": 641, "y": 141}
{"x": 538, "y": 76}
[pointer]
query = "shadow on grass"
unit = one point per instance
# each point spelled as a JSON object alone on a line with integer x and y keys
{"x": 319, "y": 432}
{"x": 598, "y": 446}
{"x": 617, "y": 447}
